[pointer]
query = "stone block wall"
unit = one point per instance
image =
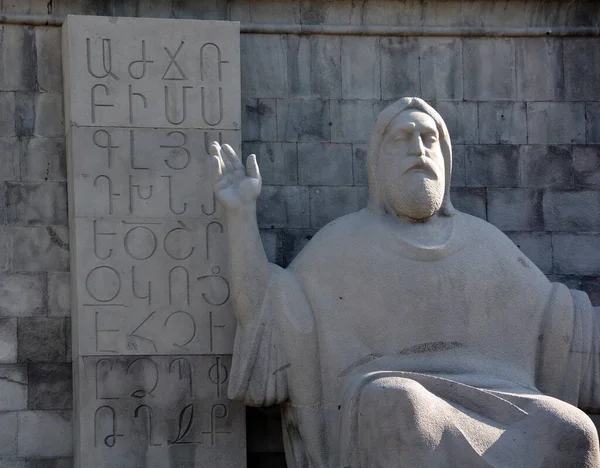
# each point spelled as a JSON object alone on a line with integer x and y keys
{"x": 523, "y": 111}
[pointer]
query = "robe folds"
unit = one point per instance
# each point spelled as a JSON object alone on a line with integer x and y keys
{"x": 385, "y": 353}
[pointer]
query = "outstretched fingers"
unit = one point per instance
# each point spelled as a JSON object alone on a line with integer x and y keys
{"x": 231, "y": 159}
{"x": 218, "y": 168}
{"x": 252, "y": 167}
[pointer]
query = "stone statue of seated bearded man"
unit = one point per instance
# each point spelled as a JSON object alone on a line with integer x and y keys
{"x": 409, "y": 334}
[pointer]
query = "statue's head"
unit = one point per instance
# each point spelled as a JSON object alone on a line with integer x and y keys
{"x": 410, "y": 162}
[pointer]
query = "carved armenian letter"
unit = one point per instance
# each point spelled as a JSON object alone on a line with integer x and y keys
{"x": 153, "y": 321}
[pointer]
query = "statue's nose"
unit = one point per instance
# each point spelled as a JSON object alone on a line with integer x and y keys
{"x": 416, "y": 146}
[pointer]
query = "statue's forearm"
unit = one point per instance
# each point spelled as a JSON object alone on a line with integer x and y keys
{"x": 248, "y": 264}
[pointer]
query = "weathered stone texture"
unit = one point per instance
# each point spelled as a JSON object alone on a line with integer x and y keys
{"x": 515, "y": 209}
{"x": 7, "y": 114}
{"x": 259, "y": 119}
{"x": 502, "y": 122}
{"x": 17, "y": 58}
{"x": 576, "y": 254}
{"x": 540, "y": 72}
{"x": 278, "y": 162}
{"x": 13, "y": 387}
{"x": 441, "y": 68}
{"x": 536, "y": 246}
{"x": 399, "y": 67}
{"x": 8, "y": 340}
{"x": 49, "y": 386}
{"x": 49, "y": 60}
{"x": 325, "y": 164}
{"x": 45, "y": 434}
{"x": 264, "y": 66}
{"x": 582, "y": 66}
{"x": 329, "y": 203}
{"x": 492, "y": 166}
{"x": 586, "y": 166}
{"x": 42, "y": 340}
{"x": 22, "y": 294}
{"x": 283, "y": 207}
{"x": 572, "y": 210}
{"x": 361, "y": 76}
{"x": 40, "y": 248}
{"x": 303, "y": 120}
{"x": 546, "y": 166}
{"x": 314, "y": 66}
{"x": 37, "y": 203}
{"x": 592, "y": 118}
{"x": 489, "y": 69}
{"x": 556, "y": 123}
{"x": 472, "y": 201}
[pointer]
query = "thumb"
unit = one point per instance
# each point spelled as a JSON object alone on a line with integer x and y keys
{"x": 252, "y": 167}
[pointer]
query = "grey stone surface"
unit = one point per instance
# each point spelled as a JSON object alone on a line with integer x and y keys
{"x": 359, "y": 163}
{"x": 48, "y": 115}
{"x": 7, "y": 114}
{"x": 13, "y": 387}
{"x": 592, "y": 119}
{"x": 8, "y": 340}
{"x": 8, "y": 433}
{"x": 42, "y": 159}
{"x": 361, "y": 77}
{"x": 540, "y": 70}
{"x": 400, "y": 58}
{"x": 158, "y": 411}
{"x": 458, "y": 166}
{"x": 126, "y": 90}
{"x": 441, "y": 62}
{"x": 49, "y": 63}
{"x": 22, "y": 294}
{"x": 536, "y": 246}
{"x": 278, "y": 161}
{"x": 36, "y": 463}
{"x": 329, "y": 203}
{"x": 492, "y": 166}
{"x": 461, "y": 119}
{"x": 502, "y": 122}
{"x": 586, "y": 166}
{"x": 37, "y": 203}
{"x": 556, "y": 123}
{"x": 546, "y": 166}
{"x": 577, "y": 254}
{"x": 325, "y": 164}
{"x": 45, "y": 434}
{"x": 9, "y": 163}
{"x": 472, "y": 201}
{"x": 41, "y": 339}
{"x": 40, "y": 248}
{"x": 303, "y": 120}
{"x": 17, "y": 58}
{"x": 314, "y": 66}
{"x": 150, "y": 274}
{"x": 264, "y": 66}
{"x": 516, "y": 209}
{"x": 572, "y": 210}
{"x": 582, "y": 66}
{"x": 489, "y": 69}
{"x": 350, "y": 119}
{"x": 49, "y": 386}
{"x": 283, "y": 207}
{"x": 259, "y": 119}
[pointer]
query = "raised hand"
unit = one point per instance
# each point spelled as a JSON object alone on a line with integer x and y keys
{"x": 235, "y": 187}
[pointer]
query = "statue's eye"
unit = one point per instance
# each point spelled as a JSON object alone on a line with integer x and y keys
{"x": 429, "y": 139}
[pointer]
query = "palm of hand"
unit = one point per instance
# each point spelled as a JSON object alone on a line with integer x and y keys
{"x": 235, "y": 186}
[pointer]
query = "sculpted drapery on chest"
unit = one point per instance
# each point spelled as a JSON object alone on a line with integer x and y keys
{"x": 408, "y": 334}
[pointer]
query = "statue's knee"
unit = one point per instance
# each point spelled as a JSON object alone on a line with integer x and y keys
{"x": 399, "y": 395}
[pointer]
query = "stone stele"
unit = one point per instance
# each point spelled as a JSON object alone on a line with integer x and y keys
{"x": 153, "y": 324}
{"x": 409, "y": 334}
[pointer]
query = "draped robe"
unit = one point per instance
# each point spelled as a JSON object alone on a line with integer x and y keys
{"x": 386, "y": 353}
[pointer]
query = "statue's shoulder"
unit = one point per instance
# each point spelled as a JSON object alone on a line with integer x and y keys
{"x": 337, "y": 236}
{"x": 481, "y": 231}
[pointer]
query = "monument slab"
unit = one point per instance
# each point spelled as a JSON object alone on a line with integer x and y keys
{"x": 152, "y": 320}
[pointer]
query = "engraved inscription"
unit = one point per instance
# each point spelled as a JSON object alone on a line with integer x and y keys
{"x": 140, "y": 65}
{"x": 106, "y": 59}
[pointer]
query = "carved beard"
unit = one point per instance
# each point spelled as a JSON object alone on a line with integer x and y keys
{"x": 414, "y": 199}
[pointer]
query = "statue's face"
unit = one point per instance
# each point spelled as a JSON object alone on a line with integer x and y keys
{"x": 411, "y": 166}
